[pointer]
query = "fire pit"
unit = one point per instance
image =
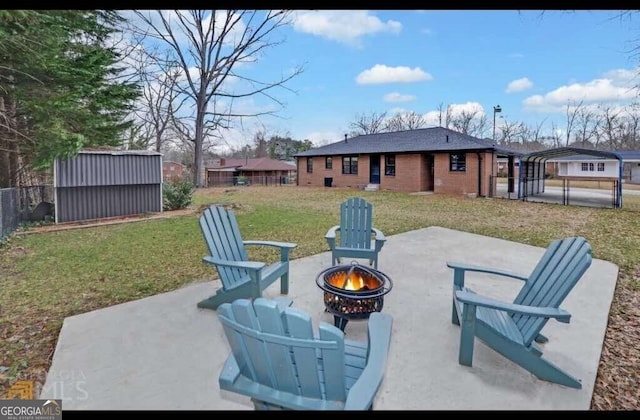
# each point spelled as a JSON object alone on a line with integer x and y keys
{"x": 353, "y": 292}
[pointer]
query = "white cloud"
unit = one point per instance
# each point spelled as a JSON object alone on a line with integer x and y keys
{"x": 344, "y": 26}
{"x": 398, "y": 97}
{"x": 519, "y": 85}
{"x": 381, "y": 73}
{"x": 614, "y": 86}
{"x": 516, "y": 55}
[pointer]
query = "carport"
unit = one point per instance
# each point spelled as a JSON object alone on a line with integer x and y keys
{"x": 531, "y": 179}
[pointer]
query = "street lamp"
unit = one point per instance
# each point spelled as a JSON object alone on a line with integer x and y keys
{"x": 496, "y": 109}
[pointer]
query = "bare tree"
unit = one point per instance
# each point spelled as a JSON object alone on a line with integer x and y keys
{"x": 441, "y": 113}
{"x": 448, "y": 117}
{"x": 368, "y": 124}
{"x": 479, "y": 126}
{"x": 511, "y": 132}
{"x": 609, "y": 127}
{"x": 587, "y": 123}
{"x": 208, "y": 45}
{"x": 260, "y": 143}
{"x": 572, "y": 113}
{"x": 463, "y": 121}
{"x": 535, "y": 139}
{"x": 407, "y": 121}
{"x": 631, "y": 127}
{"x": 555, "y": 136}
{"x": 157, "y": 106}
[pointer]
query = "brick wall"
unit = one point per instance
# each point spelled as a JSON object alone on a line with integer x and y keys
{"x": 320, "y": 172}
{"x": 410, "y": 170}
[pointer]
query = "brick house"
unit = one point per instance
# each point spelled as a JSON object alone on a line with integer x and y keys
{"x": 233, "y": 171}
{"x": 172, "y": 170}
{"x": 428, "y": 159}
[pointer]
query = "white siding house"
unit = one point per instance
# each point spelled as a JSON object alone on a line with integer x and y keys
{"x": 588, "y": 167}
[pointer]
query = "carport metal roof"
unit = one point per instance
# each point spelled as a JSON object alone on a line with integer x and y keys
{"x": 544, "y": 155}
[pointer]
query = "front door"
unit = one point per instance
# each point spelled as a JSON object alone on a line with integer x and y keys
{"x": 374, "y": 169}
{"x": 428, "y": 171}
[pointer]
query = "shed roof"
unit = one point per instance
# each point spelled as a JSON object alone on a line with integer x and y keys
{"x": 418, "y": 140}
{"x": 89, "y": 151}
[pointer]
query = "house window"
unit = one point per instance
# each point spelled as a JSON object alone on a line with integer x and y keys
{"x": 309, "y": 165}
{"x": 350, "y": 165}
{"x": 600, "y": 166}
{"x": 457, "y": 162}
{"x": 587, "y": 166}
{"x": 328, "y": 162}
{"x": 390, "y": 165}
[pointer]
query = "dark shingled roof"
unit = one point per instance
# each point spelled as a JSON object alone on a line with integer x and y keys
{"x": 435, "y": 139}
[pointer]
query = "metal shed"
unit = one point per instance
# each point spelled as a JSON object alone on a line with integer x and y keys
{"x": 101, "y": 184}
{"x": 532, "y": 171}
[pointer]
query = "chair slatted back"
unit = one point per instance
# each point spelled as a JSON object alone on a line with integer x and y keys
{"x": 557, "y": 272}
{"x": 222, "y": 236}
{"x": 356, "y": 216}
{"x": 277, "y": 348}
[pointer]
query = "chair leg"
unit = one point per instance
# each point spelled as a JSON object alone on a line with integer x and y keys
{"x": 467, "y": 335}
{"x": 454, "y": 314}
{"x": 284, "y": 283}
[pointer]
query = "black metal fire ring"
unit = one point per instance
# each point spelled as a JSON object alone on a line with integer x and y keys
{"x": 387, "y": 283}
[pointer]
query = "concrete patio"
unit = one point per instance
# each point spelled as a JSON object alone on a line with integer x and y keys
{"x": 163, "y": 353}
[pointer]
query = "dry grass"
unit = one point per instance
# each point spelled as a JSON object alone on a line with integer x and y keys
{"x": 46, "y": 277}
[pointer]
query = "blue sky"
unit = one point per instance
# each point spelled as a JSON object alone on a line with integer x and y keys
{"x": 360, "y": 62}
{"x": 463, "y": 56}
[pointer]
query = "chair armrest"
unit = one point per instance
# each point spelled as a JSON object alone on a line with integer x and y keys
{"x": 537, "y": 311}
{"x": 331, "y": 236}
{"x": 363, "y": 392}
{"x": 466, "y": 267}
{"x": 248, "y": 265}
{"x": 379, "y": 235}
{"x": 331, "y": 233}
{"x": 287, "y": 245}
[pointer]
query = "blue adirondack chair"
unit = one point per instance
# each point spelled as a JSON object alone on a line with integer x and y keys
{"x": 357, "y": 236}
{"x": 512, "y": 329}
{"x": 280, "y": 362}
{"x": 240, "y": 277}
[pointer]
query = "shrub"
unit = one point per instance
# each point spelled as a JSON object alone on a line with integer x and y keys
{"x": 177, "y": 194}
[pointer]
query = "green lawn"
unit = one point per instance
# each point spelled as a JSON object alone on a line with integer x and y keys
{"x": 48, "y": 276}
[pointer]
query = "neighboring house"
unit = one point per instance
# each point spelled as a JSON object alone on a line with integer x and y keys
{"x": 172, "y": 170}
{"x": 427, "y": 159}
{"x": 243, "y": 171}
{"x": 596, "y": 167}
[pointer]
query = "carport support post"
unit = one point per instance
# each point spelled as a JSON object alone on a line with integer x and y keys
{"x": 619, "y": 186}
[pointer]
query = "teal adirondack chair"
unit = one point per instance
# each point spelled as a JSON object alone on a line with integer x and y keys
{"x": 512, "y": 329}
{"x": 280, "y": 362}
{"x": 240, "y": 277}
{"x": 357, "y": 236}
